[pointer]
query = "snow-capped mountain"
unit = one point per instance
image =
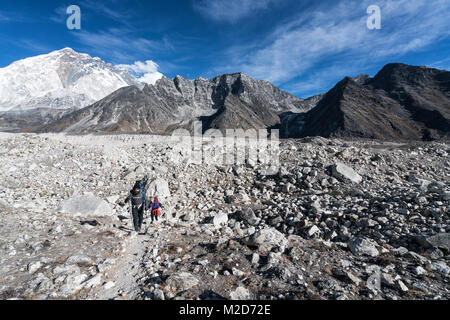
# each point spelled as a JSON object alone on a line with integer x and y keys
{"x": 62, "y": 79}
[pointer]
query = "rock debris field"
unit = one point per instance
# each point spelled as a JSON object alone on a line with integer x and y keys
{"x": 362, "y": 220}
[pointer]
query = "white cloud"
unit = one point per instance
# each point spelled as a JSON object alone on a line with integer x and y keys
{"x": 12, "y": 17}
{"x": 335, "y": 37}
{"x": 120, "y": 44}
{"x": 147, "y": 72}
{"x": 443, "y": 64}
{"x": 230, "y": 10}
{"x": 110, "y": 10}
{"x": 60, "y": 14}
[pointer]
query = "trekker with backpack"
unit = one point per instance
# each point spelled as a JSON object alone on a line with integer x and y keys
{"x": 156, "y": 209}
{"x": 138, "y": 203}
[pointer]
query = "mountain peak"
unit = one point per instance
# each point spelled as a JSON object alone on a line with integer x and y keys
{"x": 62, "y": 79}
{"x": 64, "y": 51}
{"x": 67, "y": 49}
{"x": 411, "y": 105}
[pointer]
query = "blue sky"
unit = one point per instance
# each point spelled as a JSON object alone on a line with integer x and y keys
{"x": 304, "y": 47}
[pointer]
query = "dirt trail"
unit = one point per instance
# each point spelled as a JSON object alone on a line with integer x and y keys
{"x": 129, "y": 270}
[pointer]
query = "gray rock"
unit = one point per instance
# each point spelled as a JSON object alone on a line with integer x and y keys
{"x": 402, "y": 286}
{"x": 159, "y": 188}
{"x": 401, "y": 251}
{"x": 109, "y": 285}
{"x": 40, "y": 283}
{"x": 441, "y": 266}
{"x": 387, "y": 280}
{"x": 313, "y": 230}
{"x": 296, "y": 253}
{"x": 220, "y": 220}
{"x": 248, "y": 216}
{"x": 67, "y": 269}
{"x": 441, "y": 240}
{"x": 240, "y": 293}
{"x": 76, "y": 280}
{"x": 403, "y": 211}
{"x": 181, "y": 282}
{"x": 417, "y": 257}
{"x": 269, "y": 171}
{"x": 255, "y": 259}
{"x": 361, "y": 246}
{"x": 158, "y": 295}
{"x": 86, "y": 205}
{"x": 344, "y": 173}
{"x": 373, "y": 283}
{"x": 134, "y": 174}
{"x": 33, "y": 267}
{"x": 435, "y": 253}
{"x": 80, "y": 259}
{"x": 267, "y": 239}
{"x": 188, "y": 217}
{"x": 240, "y": 197}
{"x": 419, "y": 271}
{"x": 353, "y": 278}
{"x": 93, "y": 282}
{"x": 315, "y": 207}
{"x": 446, "y": 195}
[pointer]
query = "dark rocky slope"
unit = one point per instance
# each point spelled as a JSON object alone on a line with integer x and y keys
{"x": 226, "y": 102}
{"x": 400, "y": 103}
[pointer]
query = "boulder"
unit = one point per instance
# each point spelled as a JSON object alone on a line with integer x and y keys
{"x": 181, "y": 282}
{"x": 269, "y": 171}
{"x": 80, "y": 259}
{"x": 93, "y": 282}
{"x": 33, "y": 267}
{"x": 344, "y": 173}
{"x": 440, "y": 240}
{"x": 158, "y": 295}
{"x": 240, "y": 197}
{"x": 240, "y": 294}
{"x": 373, "y": 283}
{"x": 248, "y": 216}
{"x": 267, "y": 239}
{"x": 255, "y": 259}
{"x": 86, "y": 205}
{"x": 159, "y": 188}
{"x": 446, "y": 195}
{"x": 220, "y": 220}
{"x": 363, "y": 247}
{"x": 109, "y": 285}
{"x": 188, "y": 217}
{"x": 313, "y": 230}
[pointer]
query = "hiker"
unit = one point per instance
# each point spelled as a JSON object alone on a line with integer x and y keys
{"x": 138, "y": 203}
{"x": 156, "y": 209}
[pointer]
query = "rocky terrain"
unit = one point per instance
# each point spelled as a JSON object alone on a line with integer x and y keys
{"x": 359, "y": 219}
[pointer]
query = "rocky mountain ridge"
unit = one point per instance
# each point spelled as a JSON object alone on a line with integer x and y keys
{"x": 400, "y": 103}
{"x": 225, "y": 102}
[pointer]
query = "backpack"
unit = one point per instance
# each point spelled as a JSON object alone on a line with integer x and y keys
{"x": 138, "y": 186}
{"x": 155, "y": 205}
